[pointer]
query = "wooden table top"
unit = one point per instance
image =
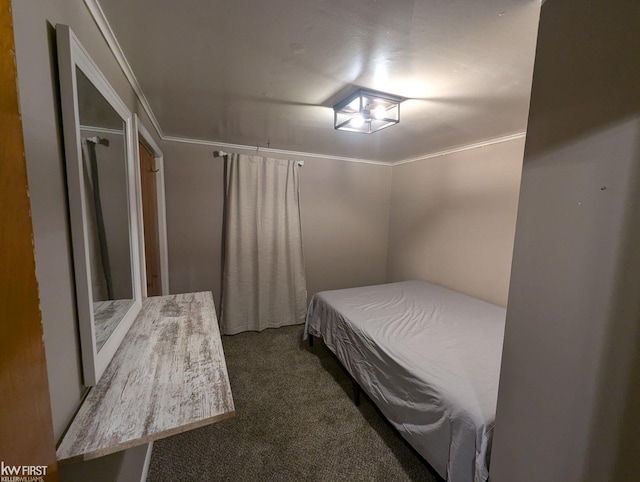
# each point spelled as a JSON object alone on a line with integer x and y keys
{"x": 168, "y": 376}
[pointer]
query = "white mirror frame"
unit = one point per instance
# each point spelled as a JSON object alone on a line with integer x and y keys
{"x": 71, "y": 54}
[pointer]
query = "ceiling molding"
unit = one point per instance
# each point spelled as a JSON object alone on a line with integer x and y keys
{"x": 259, "y": 149}
{"x": 102, "y": 130}
{"x": 476, "y": 145}
{"x": 105, "y": 28}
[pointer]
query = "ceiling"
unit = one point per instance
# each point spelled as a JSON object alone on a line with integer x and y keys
{"x": 267, "y": 73}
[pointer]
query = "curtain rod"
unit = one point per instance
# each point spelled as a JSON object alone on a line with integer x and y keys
{"x": 103, "y": 141}
{"x": 217, "y": 154}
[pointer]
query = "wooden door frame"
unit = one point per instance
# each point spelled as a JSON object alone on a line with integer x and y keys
{"x": 27, "y": 445}
{"x": 146, "y": 139}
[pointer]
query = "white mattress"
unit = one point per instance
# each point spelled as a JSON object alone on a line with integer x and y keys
{"x": 429, "y": 358}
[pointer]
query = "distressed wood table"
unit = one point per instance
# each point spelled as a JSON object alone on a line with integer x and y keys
{"x": 168, "y": 376}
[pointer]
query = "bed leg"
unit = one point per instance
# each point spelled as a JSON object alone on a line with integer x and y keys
{"x": 356, "y": 393}
{"x": 310, "y": 340}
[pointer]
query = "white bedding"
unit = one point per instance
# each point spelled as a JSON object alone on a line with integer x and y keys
{"x": 429, "y": 358}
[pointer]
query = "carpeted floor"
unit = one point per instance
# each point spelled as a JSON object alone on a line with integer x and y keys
{"x": 295, "y": 420}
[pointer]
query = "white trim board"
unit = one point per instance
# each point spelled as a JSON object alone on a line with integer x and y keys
{"x": 223, "y": 145}
{"x": 476, "y": 145}
{"x": 234, "y": 147}
{"x": 102, "y": 130}
{"x": 147, "y": 463}
{"x": 107, "y": 32}
{"x": 146, "y": 139}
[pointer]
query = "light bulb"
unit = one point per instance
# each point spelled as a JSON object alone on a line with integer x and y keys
{"x": 357, "y": 121}
{"x": 379, "y": 112}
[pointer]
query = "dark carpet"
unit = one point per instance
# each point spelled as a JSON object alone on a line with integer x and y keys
{"x": 295, "y": 420}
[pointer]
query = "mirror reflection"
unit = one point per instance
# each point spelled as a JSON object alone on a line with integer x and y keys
{"x": 104, "y": 164}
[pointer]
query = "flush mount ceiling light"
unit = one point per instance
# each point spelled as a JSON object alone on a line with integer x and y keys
{"x": 366, "y": 111}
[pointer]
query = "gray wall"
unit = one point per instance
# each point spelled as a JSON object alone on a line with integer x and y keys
{"x": 453, "y": 219}
{"x": 344, "y": 210}
{"x": 345, "y": 223}
{"x": 570, "y": 381}
{"x": 34, "y": 23}
{"x": 449, "y": 219}
{"x": 194, "y": 197}
{"x": 125, "y": 466}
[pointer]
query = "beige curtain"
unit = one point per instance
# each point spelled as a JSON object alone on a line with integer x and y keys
{"x": 97, "y": 249}
{"x": 264, "y": 280}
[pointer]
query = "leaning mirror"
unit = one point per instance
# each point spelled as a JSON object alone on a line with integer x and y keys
{"x": 99, "y": 140}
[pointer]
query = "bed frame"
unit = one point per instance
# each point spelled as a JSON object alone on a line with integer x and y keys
{"x": 357, "y": 390}
{"x": 428, "y": 339}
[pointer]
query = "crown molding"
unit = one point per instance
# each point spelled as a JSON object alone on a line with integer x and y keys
{"x": 107, "y": 32}
{"x": 102, "y": 130}
{"x": 476, "y": 145}
{"x": 259, "y": 149}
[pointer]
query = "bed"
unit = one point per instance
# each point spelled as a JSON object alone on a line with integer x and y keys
{"x": 428, "y": 357}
